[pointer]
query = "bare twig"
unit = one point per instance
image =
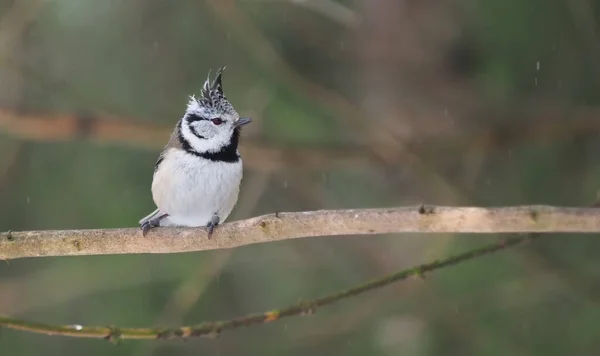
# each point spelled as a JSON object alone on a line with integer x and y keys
{"x": 263, "y": 53}
{"x": 215, "y": 328}
{"x": 284, "y": 226}
{"x": 18, "y": 17}
{"x": 332, "y": 10}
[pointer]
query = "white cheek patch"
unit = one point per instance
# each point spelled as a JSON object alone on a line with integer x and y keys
{"x": 197, "y": 144}
{"x": 203, "y": 128}
{"x": 214, "y": 137}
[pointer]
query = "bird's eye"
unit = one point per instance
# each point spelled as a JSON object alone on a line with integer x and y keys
{"x": 217, "y": 121}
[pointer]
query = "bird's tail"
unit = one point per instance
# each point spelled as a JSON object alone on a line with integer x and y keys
{"x": 150, "y": 216}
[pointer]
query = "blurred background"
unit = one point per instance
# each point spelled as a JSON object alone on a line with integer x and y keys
{"x": 356, "y": 104}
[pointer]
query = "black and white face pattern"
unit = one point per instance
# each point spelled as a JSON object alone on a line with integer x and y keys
{"x": 207, "y": 129}
{"x": 210, "y": 127}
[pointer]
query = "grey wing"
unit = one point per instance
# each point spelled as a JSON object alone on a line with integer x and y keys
{"x": 151, "y": 216}
{"x": 156, "y": 212}
{"x": 173, "y": 143}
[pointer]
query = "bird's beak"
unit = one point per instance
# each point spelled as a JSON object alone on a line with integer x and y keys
{"x": 242, "y": 121}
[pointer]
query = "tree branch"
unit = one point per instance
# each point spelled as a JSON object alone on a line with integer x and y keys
{"x": 215, "y": 328}
{"x": 284, "y": 226}
{"x": 122, "y": 131}
{"x": 126, "y": 132}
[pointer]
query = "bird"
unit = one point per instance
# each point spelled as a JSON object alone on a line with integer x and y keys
{"x": 197, "y": 175}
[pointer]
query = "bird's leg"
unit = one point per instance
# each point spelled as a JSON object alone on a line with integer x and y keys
{"x": 210, "y": 227}
{"x": 149, "y": 224}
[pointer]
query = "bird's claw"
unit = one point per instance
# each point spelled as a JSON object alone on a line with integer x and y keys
{"x": 210, "y": 227}
{"x": 149, "y": 224}
{"x": 145, "y": 228}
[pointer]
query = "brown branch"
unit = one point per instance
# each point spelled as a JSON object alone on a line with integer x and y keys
{"x": 127, "y": 132}
{"x": 215, "y": 328}
{"x": 284, "y": 226}
{"x": 260, "y": 156}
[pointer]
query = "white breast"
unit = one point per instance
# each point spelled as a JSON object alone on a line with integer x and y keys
{"x": 191, "y": 189}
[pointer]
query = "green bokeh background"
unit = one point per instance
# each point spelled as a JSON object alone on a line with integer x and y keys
{"x": 303, "y": 74}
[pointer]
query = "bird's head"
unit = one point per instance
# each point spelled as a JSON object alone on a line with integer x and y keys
{"x": 210, "y": 123}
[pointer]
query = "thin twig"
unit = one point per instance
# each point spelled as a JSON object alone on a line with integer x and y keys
{"x": 215, "y": 328}
{"x": 285, "y": 226}
{"x": 259, "y": 49}
{"x": 333, "y": 10}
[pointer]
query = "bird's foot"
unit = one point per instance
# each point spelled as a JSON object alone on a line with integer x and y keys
{"x": 210, "y": 227}
{"x": 149, "y": 224}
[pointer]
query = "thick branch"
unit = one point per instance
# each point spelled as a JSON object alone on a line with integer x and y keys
{"x": 215, "y": 328}
{"x": 284, "y": 226}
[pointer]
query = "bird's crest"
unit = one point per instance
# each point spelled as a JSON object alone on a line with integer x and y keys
{"x": 214, "y": 90}
{"x": 211, "y": 95}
